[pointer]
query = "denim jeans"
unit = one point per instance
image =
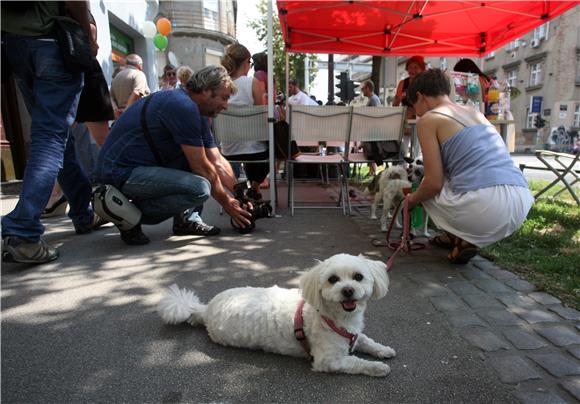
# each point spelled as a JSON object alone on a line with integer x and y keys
{"x": 51, "y": 94}
{"x": 161, "y": 193}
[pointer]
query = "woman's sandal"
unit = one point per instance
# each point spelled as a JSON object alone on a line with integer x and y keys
{"x": 462, "y": 252}
{"x": 443, "y": 241}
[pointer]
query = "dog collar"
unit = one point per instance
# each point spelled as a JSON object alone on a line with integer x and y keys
{"x": 301, "y": 335}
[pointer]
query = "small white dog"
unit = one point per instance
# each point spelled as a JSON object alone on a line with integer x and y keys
{"x": 323, "y": 320}
{"x": 391, "y": 184}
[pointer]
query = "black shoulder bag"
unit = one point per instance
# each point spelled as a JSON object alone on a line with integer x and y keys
{"x": 74, "y": 45}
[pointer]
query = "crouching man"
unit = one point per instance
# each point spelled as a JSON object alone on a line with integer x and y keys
{"x": 161, "y": 154}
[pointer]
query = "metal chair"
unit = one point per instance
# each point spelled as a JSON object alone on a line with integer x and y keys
{"x": 329, "y": 125}
{"x": 562, "y": 165}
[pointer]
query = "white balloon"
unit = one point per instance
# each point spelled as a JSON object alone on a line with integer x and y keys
{"x": 172, "y": 59}
{"x": 149, "y": 29}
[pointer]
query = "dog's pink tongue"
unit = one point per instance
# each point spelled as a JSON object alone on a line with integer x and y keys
{"x": 349, "y": 305}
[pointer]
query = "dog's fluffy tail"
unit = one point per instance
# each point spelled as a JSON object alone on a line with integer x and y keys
{"x": 181, "y": 305}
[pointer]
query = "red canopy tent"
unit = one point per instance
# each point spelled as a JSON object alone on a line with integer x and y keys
{"x": 428, "y": 28}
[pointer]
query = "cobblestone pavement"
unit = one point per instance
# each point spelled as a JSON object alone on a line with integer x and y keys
{"x": 527, "y": 336}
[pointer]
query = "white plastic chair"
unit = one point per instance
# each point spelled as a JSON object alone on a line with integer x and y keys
{"x": 248, "y": 123}
{"x": 374, "y": 124}
{"x": 321, "y": 124}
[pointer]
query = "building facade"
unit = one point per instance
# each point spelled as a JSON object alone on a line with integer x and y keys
{"x": 201, "y": 31}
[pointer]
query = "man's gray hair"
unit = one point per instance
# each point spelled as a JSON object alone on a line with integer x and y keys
{"x": 134, "y": 60}
{"x": 210, "y": 78}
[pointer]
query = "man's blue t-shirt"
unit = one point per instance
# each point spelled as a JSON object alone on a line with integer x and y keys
{"x": 173, "y": 120}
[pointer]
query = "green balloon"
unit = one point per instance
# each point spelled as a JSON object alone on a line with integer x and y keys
{"x": 160, "y": 41}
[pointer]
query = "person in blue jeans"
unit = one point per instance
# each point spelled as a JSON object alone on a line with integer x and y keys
{"x": 178, "y": 171}
{"x": 51, "y": 93}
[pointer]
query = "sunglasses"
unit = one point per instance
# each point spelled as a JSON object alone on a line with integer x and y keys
{"x": 170, "y": 74}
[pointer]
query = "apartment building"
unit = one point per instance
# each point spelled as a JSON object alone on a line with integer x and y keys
{"x": 201, "y": 31}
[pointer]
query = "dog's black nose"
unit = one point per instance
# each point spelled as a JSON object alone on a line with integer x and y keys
{"x": 347, "y": 292}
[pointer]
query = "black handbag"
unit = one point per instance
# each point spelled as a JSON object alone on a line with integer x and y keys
{"x": 74, "y": 45}
{"x": 380, "y": 151}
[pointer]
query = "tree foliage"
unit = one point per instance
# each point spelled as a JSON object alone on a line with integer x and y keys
{"x": 295, "y": 60}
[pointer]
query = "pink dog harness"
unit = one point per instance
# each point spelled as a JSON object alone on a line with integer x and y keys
{"x": 301, "y": 335}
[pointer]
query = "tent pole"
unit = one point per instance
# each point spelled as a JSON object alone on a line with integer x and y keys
{"x": 271, "y": 112}
{"x": 287, "y": 94}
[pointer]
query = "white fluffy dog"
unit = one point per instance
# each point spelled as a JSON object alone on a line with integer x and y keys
{"x": 391, "y": 184}
{"x": 323, "y": 320}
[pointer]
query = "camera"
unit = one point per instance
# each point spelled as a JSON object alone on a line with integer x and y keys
{"x": 259, "y": 209}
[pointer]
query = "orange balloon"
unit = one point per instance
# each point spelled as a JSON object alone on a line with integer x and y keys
{"x": 163, "y": 26}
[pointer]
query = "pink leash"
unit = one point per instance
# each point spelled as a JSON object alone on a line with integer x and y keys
{"x": 404, "y": 244}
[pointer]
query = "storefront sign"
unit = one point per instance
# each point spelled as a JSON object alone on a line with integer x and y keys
{"x": 121, "y": 44}
{"x": 536, "y": 104}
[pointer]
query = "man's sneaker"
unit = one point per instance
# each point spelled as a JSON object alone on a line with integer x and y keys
{"x": 16, "y": 249}
{"x": 182, "y": 227}
{"x": 95, "y": 224}
{"x": 134, "y": 236}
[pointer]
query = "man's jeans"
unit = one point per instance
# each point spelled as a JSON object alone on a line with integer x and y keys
{"x": 161, "y": 193}
{"x": 51, "y": 94}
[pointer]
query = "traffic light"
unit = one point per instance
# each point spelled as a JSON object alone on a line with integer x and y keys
{"x": 539, "y": 122}
{"x": 342, "y": 86}
{"x": 350, "y": 87}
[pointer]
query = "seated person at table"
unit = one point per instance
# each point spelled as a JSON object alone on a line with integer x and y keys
{"x": 182, "y": 165}
{"x": 471, "y": 189}
{"x": 238, "y": 62}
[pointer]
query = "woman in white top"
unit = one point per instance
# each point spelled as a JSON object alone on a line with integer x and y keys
{"x": 238, "y": 62}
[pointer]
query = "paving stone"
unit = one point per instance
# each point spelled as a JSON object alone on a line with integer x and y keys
{"x": 575, "y": 352}
{"x": 544, "y": 298}
{"x": 513, "y": 369}
{"x": 492, "y": 286}
{"x": 433, "y": 289}
{"x": 560, "y": 335}
{"x": 471, "y": 273}
{"x": 539, "y": 397}
{"x": 464, "y": 319}
{"x": 572, "y": 386}
{"x": 517, "y": 300}
{"x": 565, "y": 312}
{"x": 495, "y": 271}
{"x": 481, "y": 300}
{"x": 484, "y": 339}
{"x": 534, "y": 315}
{"x": 463, "y": 288}
{"x": 522, "y": 339}
{"x": 500, "y": 317}
{"x": 448, "y": 277}
{"x": 485, "y": 265}
{"x": 424, "y": 278}
{"x": 556, "y": 363}
{"x": 447, "y": 303}
{"x": 520, "y": 285}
